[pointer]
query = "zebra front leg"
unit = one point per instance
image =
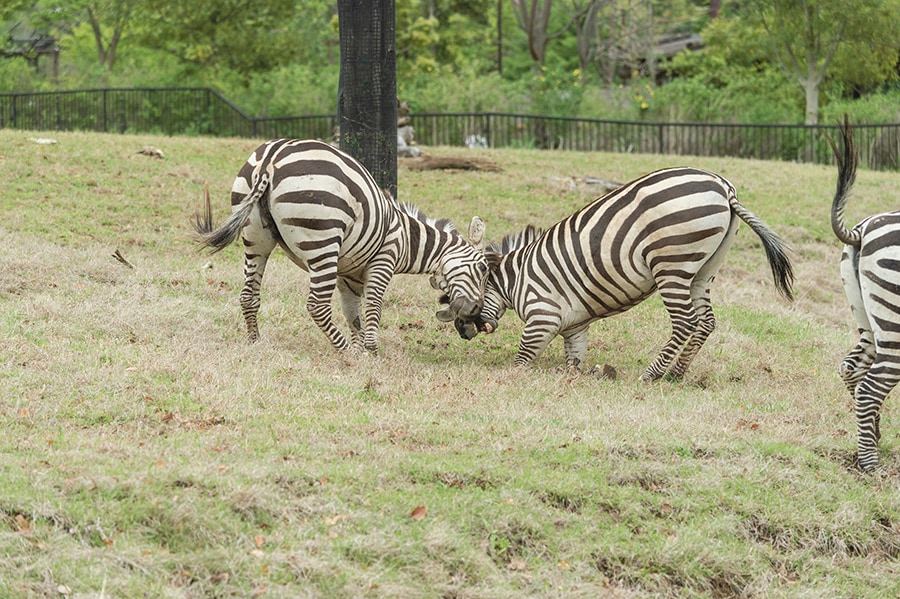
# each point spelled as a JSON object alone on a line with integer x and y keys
{"x": 677, "y": 300}
{"x": 350, "y": 292}
{"x": 377, "y": 278}
{"x": 539, "y": 331}
{"x": 575, "y": 343}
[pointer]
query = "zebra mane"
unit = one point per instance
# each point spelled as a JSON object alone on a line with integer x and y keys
{"x": 516, "y": 241}
{"x": 441, "y": 224}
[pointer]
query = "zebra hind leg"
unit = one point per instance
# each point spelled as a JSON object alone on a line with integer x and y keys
{"x": 706, "y": 324}
{"x": 322, "y": 282}
{"x": 857, "y": 363}
{"x": 881, "y": 378}
{"x": 677, "y": 300}
{"x": 258, "y": 246}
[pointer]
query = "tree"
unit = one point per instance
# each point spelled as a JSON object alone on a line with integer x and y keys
{"x": 367, "y": 94}
{"x": 114, "y": 16}
{"x": 806, "y": 36}
{"x": 533, "y": 17}
{"x": 248, "y": 36}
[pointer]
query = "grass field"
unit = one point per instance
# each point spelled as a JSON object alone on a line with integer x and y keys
{"x": 148, "y": 450}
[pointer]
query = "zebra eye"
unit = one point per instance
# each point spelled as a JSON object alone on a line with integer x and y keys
{"x": 482, "y": 268}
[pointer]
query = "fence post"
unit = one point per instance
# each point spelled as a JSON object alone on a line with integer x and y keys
{"x": 105, "y": 126}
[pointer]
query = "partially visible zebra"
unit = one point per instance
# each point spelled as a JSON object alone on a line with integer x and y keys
{"x": 667, "y": 231}
{"x": 870, "y": 269}
{"x": 326, "y": 212}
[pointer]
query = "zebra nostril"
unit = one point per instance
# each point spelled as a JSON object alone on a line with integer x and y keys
{"x": 470, "y": 310}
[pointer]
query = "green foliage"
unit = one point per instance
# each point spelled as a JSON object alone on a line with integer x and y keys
{"x": 556, "y": 92}
{"x": 282, "y": 58}
{"x": 239, "y": 35}
{"x": 443, "y": 90}
{"x": 817, "y": 41}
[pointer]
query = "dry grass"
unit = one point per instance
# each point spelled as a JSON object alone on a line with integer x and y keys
{"x": 150, "y": 451}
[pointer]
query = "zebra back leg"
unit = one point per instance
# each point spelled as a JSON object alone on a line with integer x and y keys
{"x": 855, "y": 365}
{"x": 259, "y": 242}
{"x": 706, "y": 324}
{"x": 676, "y": 296}
{"x": 700, "y": 294}
{"x": 879, "y": 282}
{"x": 322, "y": 264}
{"x": 880, "y": 379}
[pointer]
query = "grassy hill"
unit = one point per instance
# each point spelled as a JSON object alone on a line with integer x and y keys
{"x": 149, "y": 451}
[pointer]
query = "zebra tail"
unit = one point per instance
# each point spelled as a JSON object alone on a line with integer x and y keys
{"x": 220, "y": 238}
{"x": 847, "y": 158}
{"x": 776, "y": 253}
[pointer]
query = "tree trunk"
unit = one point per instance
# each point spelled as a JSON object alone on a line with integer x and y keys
{"x": 811, "y": 88}
{"x": 367, "y": 92}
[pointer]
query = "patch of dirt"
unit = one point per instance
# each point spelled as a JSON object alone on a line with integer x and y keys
{"x": 428, "y": 163}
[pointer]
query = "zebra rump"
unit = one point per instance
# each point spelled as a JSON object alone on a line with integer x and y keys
{"x": 326, "y": 212}
{"x": 667, "y": 231}
{"x": 870, "y": 271}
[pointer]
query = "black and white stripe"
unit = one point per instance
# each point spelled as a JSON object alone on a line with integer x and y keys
{"x": 870, "y": 270}
{"x": 326, "y": 212}
{"x": 667, "y": 231}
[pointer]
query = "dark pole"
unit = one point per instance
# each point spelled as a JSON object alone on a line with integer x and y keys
{"x": 367, "y": 92}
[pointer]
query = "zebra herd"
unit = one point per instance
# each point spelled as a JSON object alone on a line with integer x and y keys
{"x": 667, "y": 231}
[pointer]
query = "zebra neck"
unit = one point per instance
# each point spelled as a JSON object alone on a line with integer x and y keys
{"x": 424, "y": 248}
{"x": 506, "y": 274}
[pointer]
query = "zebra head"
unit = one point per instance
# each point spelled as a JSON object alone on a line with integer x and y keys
{"x": 461, "y": 275}
{"x": 496, "y": 301}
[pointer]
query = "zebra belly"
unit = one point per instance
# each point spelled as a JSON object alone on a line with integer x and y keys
{"x": 577, "y": 316}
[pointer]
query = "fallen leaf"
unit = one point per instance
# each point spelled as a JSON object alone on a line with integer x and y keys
{"x": 23, "y": 524}
{"x": 259, "y": 540}
{"x": 335, "y": 519}
{"x": 517, "y": 563}
{"x": 419, "y": 512}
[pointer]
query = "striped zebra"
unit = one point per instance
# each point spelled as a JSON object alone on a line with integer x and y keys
{"x": 870, "y": 270}
{"x": 326, "y": 212}
{"x": 667, "y": 231}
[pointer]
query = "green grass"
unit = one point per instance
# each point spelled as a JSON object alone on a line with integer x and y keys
{"x": 148, "y": 450}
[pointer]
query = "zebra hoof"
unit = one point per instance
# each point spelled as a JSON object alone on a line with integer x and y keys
{"x": 604, "y": 372}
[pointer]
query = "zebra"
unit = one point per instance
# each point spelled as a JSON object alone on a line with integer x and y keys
{"x": 668, "y": 230}
{"x": 870, "y": 270}
{"x": 324, "y": 209}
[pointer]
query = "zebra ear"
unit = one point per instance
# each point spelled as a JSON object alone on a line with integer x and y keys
{"x": 476, "y": 233}
{"x": 445, "y": 315}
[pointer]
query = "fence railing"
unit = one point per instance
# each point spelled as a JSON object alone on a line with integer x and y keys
{"x": 203, "y": 111}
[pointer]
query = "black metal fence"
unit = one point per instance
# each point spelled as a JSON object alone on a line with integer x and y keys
{"x": 203, "y": 111}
